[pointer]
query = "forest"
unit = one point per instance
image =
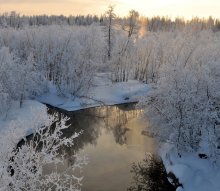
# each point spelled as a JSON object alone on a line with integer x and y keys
{"x": 179, "y": 59}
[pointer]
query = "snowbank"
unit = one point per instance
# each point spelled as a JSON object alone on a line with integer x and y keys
{"x": 22, "y": 121}
{"x": 194, "y": 173}
{"x": 102, "y": 92}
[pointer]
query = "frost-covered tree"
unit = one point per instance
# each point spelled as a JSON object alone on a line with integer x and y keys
{"x": 66, "y": 56}
{"x": 18, "y": 79}
{"x": 23, "y": 167}
{"x": 83, "y": 58}
{"x": 110, "y": 17}
{"x": 121, "y": 63}
{"x": 184, "y": 106}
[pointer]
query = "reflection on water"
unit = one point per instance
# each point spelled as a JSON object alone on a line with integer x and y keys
{"x": 150, "y": 175}
{"x": 112, "y": 140}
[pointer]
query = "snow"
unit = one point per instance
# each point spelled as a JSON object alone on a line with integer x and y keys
{"x": 102, "y": 92}
{"x": 22, "y": 121}
{"x": 193, "y": 172}
{"x": 33, "y": 114}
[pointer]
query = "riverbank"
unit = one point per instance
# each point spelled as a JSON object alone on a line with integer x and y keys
{"x": 102, "y": 92}
{"x": 193, "y": 172}
{"x": 19, "y": 122}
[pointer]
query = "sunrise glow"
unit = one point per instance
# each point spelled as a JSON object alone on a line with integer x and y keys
{"x": 172, "y": 8}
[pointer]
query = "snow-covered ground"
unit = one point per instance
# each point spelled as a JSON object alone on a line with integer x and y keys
{"x": 194, "y": 173}
{"x": 20, "y": 122}
{"x": 102, "y": 92}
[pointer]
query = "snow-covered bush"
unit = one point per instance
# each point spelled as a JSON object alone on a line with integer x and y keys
{"x": 18, "y": 79}
{"x": 81, "y": 60}
{"x": 122, "y": 58}
{"x": 184, "y": 106}
{"x": 4, "y": 102}
{"x": 67, "y": 56}
{"x": 22, "y": 168}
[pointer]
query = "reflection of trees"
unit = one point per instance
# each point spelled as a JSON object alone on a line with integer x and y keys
{"x": 119, "y": 132}
{"x": 150, "y": 175}
{"x": 79, "y": 121}
{"x": 115, "y": 122}
{"x": 90, "y": 121}
{"x": 117, "y": 118}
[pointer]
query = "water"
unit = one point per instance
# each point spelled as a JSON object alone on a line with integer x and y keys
{"x": 113, "y": 140}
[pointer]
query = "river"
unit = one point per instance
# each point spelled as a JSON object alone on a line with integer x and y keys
{"x": 113, "y": 141}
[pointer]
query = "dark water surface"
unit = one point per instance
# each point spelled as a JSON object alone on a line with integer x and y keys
{"x": 112, "y": 140}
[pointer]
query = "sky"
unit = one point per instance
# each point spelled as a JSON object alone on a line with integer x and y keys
{"x": 171, "y": 8}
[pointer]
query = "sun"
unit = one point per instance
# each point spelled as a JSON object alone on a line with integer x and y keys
{"x": 170, "y": 8}
{"x": 122, "y": 7}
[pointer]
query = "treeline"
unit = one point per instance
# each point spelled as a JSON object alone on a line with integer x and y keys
{"x": 167, "y": 24}
{"x": 153, "y": 24}
{"x": 15, "y": 20}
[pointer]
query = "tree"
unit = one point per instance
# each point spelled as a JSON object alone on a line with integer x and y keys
{"x": 122, "y": 56}
{"x": 110, "y": 16}
{"x": 22, "y": 167}
{"x": 184, "y": 107}
{"x": 19, "y": 79}
{"x": 130, "y": 25}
